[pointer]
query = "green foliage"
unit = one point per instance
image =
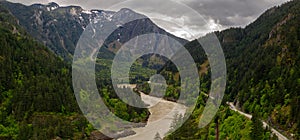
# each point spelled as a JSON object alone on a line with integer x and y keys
{"x": 236, "y": 127}
{"x": 121, "y": 109}
{"x": 34, "y": 80}
{"x": 257, "y": 130}
{"x": 262, "y": 63}
{"x": 36, "y": 100}
{"x": 263, "y": 66}
{"x": 36, "y": 97}
{"x": 231, "y": 126}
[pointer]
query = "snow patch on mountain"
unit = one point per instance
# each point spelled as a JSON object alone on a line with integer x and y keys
{"x": 87, "y": 12}
{"x": 52, "y": 6}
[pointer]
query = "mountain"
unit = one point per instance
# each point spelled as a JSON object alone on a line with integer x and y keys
{"x": 36, "y": 95}
{"x": 263, "y": 77}
{"x": 59, "y": 28}
{"x": 35, "y": 87}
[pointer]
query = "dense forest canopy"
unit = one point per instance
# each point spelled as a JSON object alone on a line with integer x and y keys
{"x": 263, "y": 71}
{"x": 37, "y": 99}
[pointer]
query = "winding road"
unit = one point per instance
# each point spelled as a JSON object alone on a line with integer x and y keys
{"x": 162, "y": 116}
{"x": 278, "y": 134}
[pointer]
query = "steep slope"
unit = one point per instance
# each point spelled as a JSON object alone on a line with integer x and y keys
{"x": 271, "y": 85}
{"x": 59, "y": 28}
{"x": 36, "y": 96}
{"x": 33, "y": 80}
{"x": 263, "y": 72}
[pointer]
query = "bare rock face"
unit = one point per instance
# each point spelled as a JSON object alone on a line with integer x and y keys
{"x": 51, "y": 22}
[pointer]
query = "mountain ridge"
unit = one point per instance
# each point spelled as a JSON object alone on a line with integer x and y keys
{"x": 263, "y": 75}
{"x": 59, "y": 28}
{"x": 36, "y": 95}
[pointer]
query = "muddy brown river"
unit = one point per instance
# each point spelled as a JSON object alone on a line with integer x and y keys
{"x": 160, "y": 120}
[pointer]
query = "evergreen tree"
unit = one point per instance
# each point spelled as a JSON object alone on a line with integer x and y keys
{"x": 157, "y": 137}
{"x": 257, "y": 129}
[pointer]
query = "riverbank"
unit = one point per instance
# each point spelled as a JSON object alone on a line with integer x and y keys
{"x": 162, "y": 115}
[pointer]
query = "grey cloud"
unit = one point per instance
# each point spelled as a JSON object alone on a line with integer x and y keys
{"x": 232, "y": 12}
{"x": 219, "y": 14}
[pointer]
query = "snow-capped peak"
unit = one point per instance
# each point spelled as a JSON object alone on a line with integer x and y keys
{"x": 87, "y": 12}
{"x": 52, "y": 6}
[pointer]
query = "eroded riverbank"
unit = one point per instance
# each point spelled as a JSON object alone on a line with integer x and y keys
{"x": 162, "y": 115}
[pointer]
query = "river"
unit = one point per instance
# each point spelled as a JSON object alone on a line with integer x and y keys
{"x": 160, "y": 119}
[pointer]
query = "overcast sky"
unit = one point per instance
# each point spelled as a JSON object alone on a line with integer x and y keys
{"x": 185, "y": 18}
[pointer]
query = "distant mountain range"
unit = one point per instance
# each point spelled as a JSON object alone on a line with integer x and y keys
{"x": 37, "y": 101}
{"x": 59, "y": 28}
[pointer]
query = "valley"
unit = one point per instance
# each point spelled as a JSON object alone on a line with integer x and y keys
{"x": 37, "y": 101}
{"x": 161, "y": 116}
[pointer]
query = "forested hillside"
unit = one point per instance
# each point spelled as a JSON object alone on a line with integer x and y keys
{"x": 59, "y": 28}
{"x": 264, "y": 78}
{"x": 263, "y": 75}
{"x": 37, "y": 99}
